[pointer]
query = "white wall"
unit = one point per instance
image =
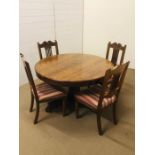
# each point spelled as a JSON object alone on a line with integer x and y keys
{"x": 69, "y": 25}
{"x": 37, "y": 24}
{"x": 109, "y": 20}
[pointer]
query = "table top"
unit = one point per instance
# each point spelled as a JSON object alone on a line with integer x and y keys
{"x": 72, "y": 69}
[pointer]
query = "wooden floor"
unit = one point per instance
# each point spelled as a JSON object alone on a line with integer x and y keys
{"x": 57, "y": 135}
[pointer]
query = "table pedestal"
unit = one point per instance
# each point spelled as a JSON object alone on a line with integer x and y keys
{"x": 57, "y": 104}
{"x": 70, "y": 98}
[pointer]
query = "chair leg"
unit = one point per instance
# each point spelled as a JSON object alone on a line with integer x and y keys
{"x": 64, "y": 102}
{"x": 100, "y": 131}
{"x": 32, "y": 102}
{"x": 77, "y": 109}
{"x": 114, "y": 113}
{"x": 37, "y": 113}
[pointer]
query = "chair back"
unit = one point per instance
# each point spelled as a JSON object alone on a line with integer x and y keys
{"x": 47, "y": 46}
{"x": 113, "y": 81}
{"x": 29, "y": 75}
{"x": 116, "y": 49}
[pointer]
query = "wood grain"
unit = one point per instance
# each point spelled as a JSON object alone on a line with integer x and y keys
{"x": 72, "y": 69}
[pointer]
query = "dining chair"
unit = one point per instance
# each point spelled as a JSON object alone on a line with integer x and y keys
{"x": 99, "y": 97}
{"x": 116, "y": 49}
{"x": 42, "y": 92}
{"x": 47, "y": 46}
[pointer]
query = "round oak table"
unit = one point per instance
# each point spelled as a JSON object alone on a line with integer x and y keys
{"x": 72, "y": 70}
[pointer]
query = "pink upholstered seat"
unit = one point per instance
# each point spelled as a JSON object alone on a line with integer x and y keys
{"x": 91, "y": 97}
{"x": 46, "y": 91}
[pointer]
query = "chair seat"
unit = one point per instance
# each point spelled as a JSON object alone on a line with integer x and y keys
{"x": 90, "y": 97}
{"x": 45, "y": 92}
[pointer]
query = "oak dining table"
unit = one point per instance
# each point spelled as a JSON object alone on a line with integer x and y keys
{"x": 72, "y": 70}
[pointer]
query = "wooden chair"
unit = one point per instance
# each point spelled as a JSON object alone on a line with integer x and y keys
{"x": 48, "y": 48}
{"x": 98, "y": 97}
{"x": 41, "y": 92}
{"x": 117, "y": 47}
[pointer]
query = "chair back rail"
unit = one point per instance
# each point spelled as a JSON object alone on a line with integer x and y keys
{"x": 29, "y": 76}
{"x": 47, "y": 45}
{"x": 112, "y": 82}
{"x": 117, "y": 47}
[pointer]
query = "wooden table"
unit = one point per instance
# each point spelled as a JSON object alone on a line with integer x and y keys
{"x": 72, "y": 70}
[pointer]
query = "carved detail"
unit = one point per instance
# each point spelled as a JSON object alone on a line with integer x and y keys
{"x": 117, "y": 47}
{"x": 111, "y": 86}
{"x": 113, "y": 80}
